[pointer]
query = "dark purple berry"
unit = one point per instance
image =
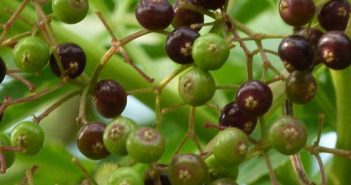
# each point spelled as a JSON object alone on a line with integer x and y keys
{"x": 231, "y": 116}
{"x": 2, "y": 70}
{"x": 110, "y": 98}
{"x": 334, "y": 15}
{"x": 179, "y": 44}
{"x": 254, "y": 98}
{"x": 312, "y": 35}
{"x": 163, "y": 178}
{"x": 334, "y": 49}
{"x": 296, "y": 12}
{"x": 296, "y": 51}
{"x": 90, "y": 141}
{"x": 212, "y": 4}
{"x": 154, "y": 14}
{"x": 72, "y": 58}
{"x": 301, "y": 87}
{"x": 180, "y": 13}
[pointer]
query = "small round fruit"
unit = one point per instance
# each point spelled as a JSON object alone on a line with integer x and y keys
{"x": 210, "y": 51}
{"x": 224, "y": 181}
{"x": 90, "y": 141}
{"x": 297, "y": 52}
{"x": 154, "y": 14}
{"x": 254, "y": 98}
{"x": 70, "y": 11}
{"x": 334, "y": 49}
{"x": 116, "y": 135}
{"x": 211, "y": 4}
{"x": 231, "y": 116}
{"x": 334, "y": 15}
{"x": 192, "y": 17}
{"x": 231, "y": 146}
{"x": 311, "y": 34}
{"x": 301, "y": 87}
{"x": 187, "y": 169}
{"x": 217, "y": 170}
{"x": 31, "y": 54}
{"x": 29, "y": 136}
{"x": 72, "y": 58}
{"x": 110, "y": 98}
{"x": 196, "y": 86}
{"x": 296, "y": 12}
{"x": 145, "y": 145}
{"x": 2, "y": 70}
{"x": 125, "y": 176}
{"x": 179, "y": 43}
{"x": 288, "y": 135}
{"x": 8, "y": 155}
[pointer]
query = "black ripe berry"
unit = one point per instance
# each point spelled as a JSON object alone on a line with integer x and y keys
{"x": 301, "y": 87}
{"x": 311, "y": 34}
{"x": 90, "y": 141}
{"x": 184, "y": 16}
{"x": 163, "y": 178}
{"x": 110, "y": 98}
{"x": 297, "y": 52}
{"x": 334, "y": 15}
{"x": 254, "y": 98}
{"x": 179, "y": 44}
{"x": 2, "y": 70}
{"x": 186, "y": 169}
{"x": 296, "y": 12}
{"x": 231, "y": 116}
{"x": 211, "y": 4}
{"x": 334, "y": 49}
{"x": 72, "y": 58}
{"x": 154, "y": 14}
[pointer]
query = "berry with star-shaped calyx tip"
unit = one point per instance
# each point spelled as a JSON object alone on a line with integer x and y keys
{"x": 29, "y": 136}
{"x": 90, "y": 141}
{"x": 297, "y": 51}
{"x": 145, "y": 145}
{"x": 296, "y": 12}
{"x": 192, "y": 17}
{"x": 72, "y": 58}
{"x": 254, "y": 98}
{"x": 179, "y": 44}
{"x": 288, "y": 135}
{"x": 187, "y": 169}
{"x": 334, "y": 15}
{"x": 196, "y": 86}
{"x": 231, "y": 146}
{"x": 334, "y": 50}
{"x": 231, "y": 116}
{"x": 116, "y": 135}
{"x": 301, "y": 87}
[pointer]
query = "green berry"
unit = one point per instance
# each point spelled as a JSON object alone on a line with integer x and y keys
{"x": 288, "y": 135}
{"x": 31, "y": 54}
{"x": 217, "y": 170}
{"x": 125, "y": 176}
{"x": 70, "y": 11}
{"x": 145, "y": 145}
{"x": 210, "y": 51}
{"x": 187, "y": 169}
{"x": 196, "y": 86}
{"x": 30, "y": 136}
{"x": 116, "y": 134}
{"x": 231, "y": 146}
{"x": 8, "y": 155}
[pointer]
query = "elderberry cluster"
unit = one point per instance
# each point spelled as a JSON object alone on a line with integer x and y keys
{"x": 199, "y": 53}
